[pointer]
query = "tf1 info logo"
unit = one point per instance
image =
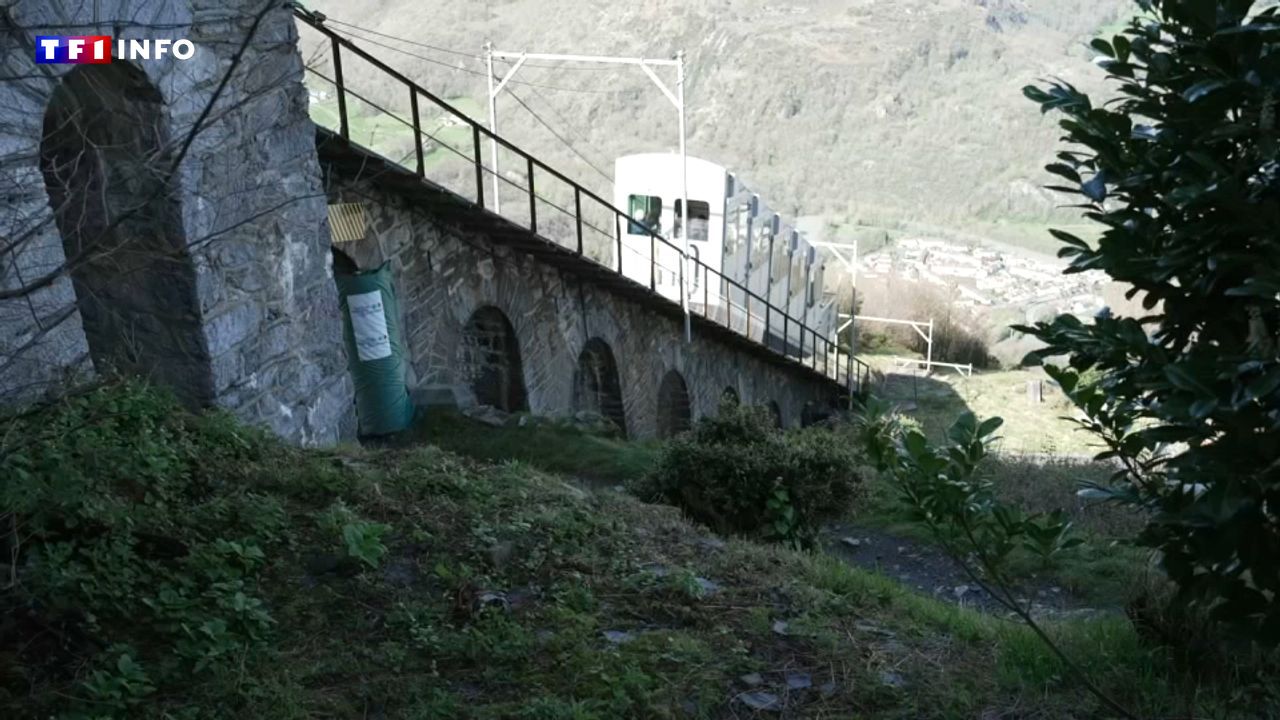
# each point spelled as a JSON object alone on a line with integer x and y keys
{"x": 102, "y": 49}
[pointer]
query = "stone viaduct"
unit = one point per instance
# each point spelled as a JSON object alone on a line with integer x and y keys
{"x": 164, "y": 221}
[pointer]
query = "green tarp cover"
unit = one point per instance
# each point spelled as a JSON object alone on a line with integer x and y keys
{"x": 375, "y": 351}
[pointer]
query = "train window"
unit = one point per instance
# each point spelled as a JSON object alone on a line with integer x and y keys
{"x": 731, "y": 231}
{"x": 645, "y": 212}
{"x": 760, "y": 245}
{"x": 699, "y": 219}
{"x": 780, "y": 258}
{"x": 815, "y": 283}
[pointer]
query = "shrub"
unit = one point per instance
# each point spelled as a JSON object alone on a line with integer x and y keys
{"x": 738, "y": 474}
{"x": 959, "y": 334}
{"x": 124, "y": 519}
{"x": 1181, "y": 174}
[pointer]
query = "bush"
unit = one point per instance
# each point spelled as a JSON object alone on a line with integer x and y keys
{"x": 132, "y": 550}
{"x": 1181, "y": 174}
{"x": 738, "y": 474}
{"x": 959, "y": 334}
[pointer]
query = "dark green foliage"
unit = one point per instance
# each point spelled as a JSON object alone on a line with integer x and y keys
{"x": 1182, "y": 174}
{"x": 738, "y": 474}
{"x": 119, "y": 528}
{"x": 496, "y": 596}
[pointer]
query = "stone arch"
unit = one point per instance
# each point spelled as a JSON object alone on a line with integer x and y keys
{"x": 596, "y": 384}
{"x": 675, "y": 413}
{"x": 104, "y": 155}
{"x": 811, "y": 414}
{"x": 490, "y": 361}
{"x": 775, "y": 411}
{"x": 730, "y": 395}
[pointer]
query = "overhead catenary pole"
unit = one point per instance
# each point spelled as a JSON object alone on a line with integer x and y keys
{"x": 494, "y": 91}
{"x": 684, "y": 203}
{"x": 853, "y": 311}
{"x": 928, "y": 356}
{"x": 493, "y": 127}
{"x": 676, "y": 98}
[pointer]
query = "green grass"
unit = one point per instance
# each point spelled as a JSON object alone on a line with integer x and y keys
{"x": 1043, "y": 428}
{"x": 1105, "y": 571}
{"x": 392, "y": 135}
{"x": 559, "y": 448}
{"x": 493, "y": 592}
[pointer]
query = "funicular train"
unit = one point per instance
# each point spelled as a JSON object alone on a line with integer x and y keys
{"x": 733, "y": 232}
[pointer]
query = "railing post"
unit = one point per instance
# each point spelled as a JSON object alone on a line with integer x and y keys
{"x": 577, "y": 214}
{"x": 533, "y": 199}
{"x": 617, "y": 236}
{"x": 344, "y": 128}
{"x": 706, "y": 296}
{"x": 786, "y": 338}
{"x": 417, "y": 133}
{"x": 768, "y": 321}
{"x": 653, "y": 262}
{"x": 475, "y": 139}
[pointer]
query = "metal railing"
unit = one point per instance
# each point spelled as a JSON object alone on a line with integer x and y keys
{"x": 758, "y": 319}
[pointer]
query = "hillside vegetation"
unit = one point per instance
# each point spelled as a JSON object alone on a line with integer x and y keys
{"x": 180, "y": 566}
{"x": 874, "y": 113}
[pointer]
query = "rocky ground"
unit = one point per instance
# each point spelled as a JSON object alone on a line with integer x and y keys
{"x": 926, "y": 569}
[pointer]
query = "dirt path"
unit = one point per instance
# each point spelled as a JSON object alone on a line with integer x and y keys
{"x": 927, "y": 570}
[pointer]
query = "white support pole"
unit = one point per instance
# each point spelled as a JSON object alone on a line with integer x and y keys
{"x": 928, "y": 358}
{"x": 853, "y": 311}
{"x": 676, "y": 98}
{"x": 684, "y": 204}
{"x": 586, "y": 58}
{"x": 493, "y": 127}
{"x": 494, "y": 91}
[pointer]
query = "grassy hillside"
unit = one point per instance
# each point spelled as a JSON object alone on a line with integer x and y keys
{"x": 178, "y": 566}
{"x": 877, "y": 113}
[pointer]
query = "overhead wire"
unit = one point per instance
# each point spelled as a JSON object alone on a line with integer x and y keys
{"x": 533, "y": 85}
{"x": 457, "y": 68}
{"x": 464, "y": 53}
{"x": 560, "y": 137}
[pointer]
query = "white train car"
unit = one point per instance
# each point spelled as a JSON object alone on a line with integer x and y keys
{"x": 732, "y": 231}
{"x": 649, "y": 189}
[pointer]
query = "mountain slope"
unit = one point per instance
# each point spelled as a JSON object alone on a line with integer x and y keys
{"x": 868, "y": 111}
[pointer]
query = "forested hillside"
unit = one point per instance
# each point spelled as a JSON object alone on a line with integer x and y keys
{"x": 866, "y": 110}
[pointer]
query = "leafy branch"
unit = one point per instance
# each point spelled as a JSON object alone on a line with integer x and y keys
{"x": 945, "y": 492}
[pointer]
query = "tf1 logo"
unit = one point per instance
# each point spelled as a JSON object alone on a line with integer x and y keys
{"x": 102, "y": 49}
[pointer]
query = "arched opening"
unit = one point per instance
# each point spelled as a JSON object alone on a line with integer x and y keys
{"x": 811, "y": 414}
{"x": 104, "y": 156}
{"x": 491, "y": 361}
{"x": 674, "y": 412}
{"x": 729, "y": 396}
{"x": 776, "y": 412}
{"x": 596, "y": 387}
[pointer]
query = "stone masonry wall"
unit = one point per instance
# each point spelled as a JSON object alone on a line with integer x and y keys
{"x": 253, "y": 213}
{"x": 443, "y": 275}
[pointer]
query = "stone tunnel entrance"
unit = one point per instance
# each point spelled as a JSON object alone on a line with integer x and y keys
{"x": 674, "y": 412}
{"x": 104, "y": 155}
{"x": 596, "y": 387}
{"x": 490, "y": 361}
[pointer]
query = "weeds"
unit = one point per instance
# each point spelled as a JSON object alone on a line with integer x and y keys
{"x": 501, "y": 593}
